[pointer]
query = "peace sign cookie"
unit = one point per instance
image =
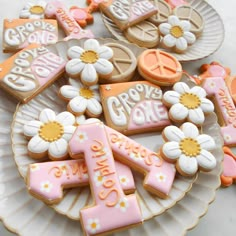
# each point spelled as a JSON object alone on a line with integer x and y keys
{"x": 164, "y": 11}
{"x": 187, "y": 12}
{"x": 159, "y": 67}
{"x": 124, "y": 63}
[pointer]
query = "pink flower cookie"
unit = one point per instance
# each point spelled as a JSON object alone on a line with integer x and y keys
{"x": 188, "y": 149}
{"x": 82, "y": 99}
{"x": 187, "y": 103}
{"x": 176, "y": 3}
{"x": 90, "y": 63}
{"x": 49, "y": 135}
{"x": 176, "y": 34}
{"x": 33, "y": 10}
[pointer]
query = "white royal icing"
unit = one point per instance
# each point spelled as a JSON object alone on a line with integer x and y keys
{"x": 28, "y": 10}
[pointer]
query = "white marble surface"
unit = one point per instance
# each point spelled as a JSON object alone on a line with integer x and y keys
{"x": 221, "y": 216}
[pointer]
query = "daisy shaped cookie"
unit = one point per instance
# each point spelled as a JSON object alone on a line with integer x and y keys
{"x": 188, "y": 149}
{"x": 90, "y": 63}
{"x": 187, "y": 103}
{"x": 33, "y": 10}
{"x": 49, "y": 135}
{"x": 176, "y": 34}
{"x": 82, "y": 99}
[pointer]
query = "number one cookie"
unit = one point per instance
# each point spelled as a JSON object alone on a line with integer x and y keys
{"x": 112, "y": 209}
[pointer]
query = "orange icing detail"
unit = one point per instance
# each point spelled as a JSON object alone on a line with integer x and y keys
{"x": 109, "y": 183}
{"x": 58, "y": 171}
{"x": 190, "y": 147}
{"x": 98, "y": 147}
{"x": 89, "y": 56}
{"x": 103, "y": 167}
{"x": 86, "y": 93}
{"x": 176, "y": 31}
{"x": 190, "y": 100}
{"x": 104, "y": 195}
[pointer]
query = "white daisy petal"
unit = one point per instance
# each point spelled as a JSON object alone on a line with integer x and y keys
{"x": 91, "y": 44}
{"x": 190, "y": 130}
{"x": 178, "y": 112}
{"x": 185, "y": 25}
{"x": 171, "y": 97}
{"x": 47, "y": 115}
{"x": 31, "y": 128}
{"x": 78, "y": 104}
{"x": 206, "y": 142}
{"x": 89, "y": 74}
{"x": 37, "y": 145}
{"x": 171, "y": 150}
{"x": 94, "y": 107}
{"x": 173, "y": 133}
{"x": 68, "y": 91}
{"x": 199, "y": 91}
{"x": 65, "y": 118}
{"x": 196, "y": 116}
{"x": 189, "y": 37}
{"x": 68, "y": 132}
{"x": 105, "y": 52}
{"x": 169, "y": 40}
{"x": 58, "y": 149}
{"x": 206, "y": 160}
{"x": 75, "y": 83}
{"x": 75, "y": 52}
{"x": 188, "y": 165}
{"x": 206, "y": 105}
{"x": 181, "y": 43}
{"x": 103, "y": 66}
{"x": 74, "y": 66}
{"x": 164, "y": 28}
{"x": 173, "y": 20}
{"x": 181, "y": 87}
{"x": 80, "y": 119}
{"x": 25, "y": 14}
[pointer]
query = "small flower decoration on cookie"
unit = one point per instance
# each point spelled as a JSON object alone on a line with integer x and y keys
{"x": 189, "y": 149}
{"x": 46, "y": 186}
{"x": 176, "y": 34}
{"x": 50, "y": 134}
{"x": 93, "y": 225}
{"x": 82, "y": 99}
{"x": 33, "y": 10}
{"x": 90, "y": 63}
{"x": 187, "y": 103}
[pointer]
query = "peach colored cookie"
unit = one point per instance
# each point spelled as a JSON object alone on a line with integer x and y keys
{"x": 19, "y": 33}
{"x": 144, "y": 34}
{"x": 30, "y": 71}
{"x": 134, "y": 107}
{"x": 159, "y": 67}
{"x": 187, "y": 12}
{"x": 124, "y": 63}
{"x": 127, "y": 13}
{"x": 164, "y": 11}
{"x": 188, "y": 149}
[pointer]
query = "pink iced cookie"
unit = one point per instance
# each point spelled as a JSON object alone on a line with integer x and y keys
{"x": 72, "y": 29}
{"x": 92, "y": 142}
{"x": 176, "y": 3}
{"x": 47, "y": 180}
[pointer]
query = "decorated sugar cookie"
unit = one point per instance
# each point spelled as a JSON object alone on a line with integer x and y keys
{"x": 90, "y": 62}
{"x": 176, "y": 34}
{"x": 82, "y": 99}
{"x": 188, "y": 149}
{"x": 33, "y": 10}
{"x": 187, "y": 103}
{"x": 176, "y": 3}
{"x": 49, "y": 135}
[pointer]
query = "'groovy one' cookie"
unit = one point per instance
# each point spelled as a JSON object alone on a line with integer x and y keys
{"x": 134, "y": 107}
{"x": 19, "y": 33}
{"x": 30, "y": 71}
{"x": 127, "y": 13}
{"x": 159, "y": 67}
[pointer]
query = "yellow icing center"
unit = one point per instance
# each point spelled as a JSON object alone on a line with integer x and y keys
{"x": 86, "y": 93}
{"x": 100, "y": 178}
{"x": 123, "y": 180}
{"x": 89, "y": 56}
{"x": 190, "y": 100}
{"x": 93, "y": 225}
{"x": 46, "y": 185}
{"x": 51, "y": 131}
{"x": 176, "y": 31}
{"x": 161, "y": 177}
{"x": 38, "y": 10}
{"x": 122, "y": 204}
{"x": 190, "y": 147}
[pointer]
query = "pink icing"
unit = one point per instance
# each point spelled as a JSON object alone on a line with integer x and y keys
{"x": 92, "y": 141}
{"x": 64, "y": 174}
{"x": 78, "y": 13}
{"x": 229, "y": 166}
{"x": 176, "y": 3}
{"x": 217, "y": 71}
{"x": 216, "y": 87}
{"x": 66, "y": 20}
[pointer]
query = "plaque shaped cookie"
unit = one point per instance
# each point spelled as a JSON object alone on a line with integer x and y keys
{"x": 134, "y": 107}
{"x": 30, "y": 71}
{"x": 125, "y": 13}
{"x": 19, "y": 33}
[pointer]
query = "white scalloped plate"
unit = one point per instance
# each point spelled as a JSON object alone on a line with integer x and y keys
{"x": 77, "y": 198}
{"x": 210, "y": 40}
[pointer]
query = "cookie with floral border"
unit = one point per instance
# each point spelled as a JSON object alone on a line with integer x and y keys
{"x": 176, "y": 34}
{"x": 49, "y": 135}
{"x": 187, "y": 103}
{"x": 188, "y": 149}
{"x": 81, "y": 99}
{"x": 90, "y": 62}
{"x": 33, "y": 10}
